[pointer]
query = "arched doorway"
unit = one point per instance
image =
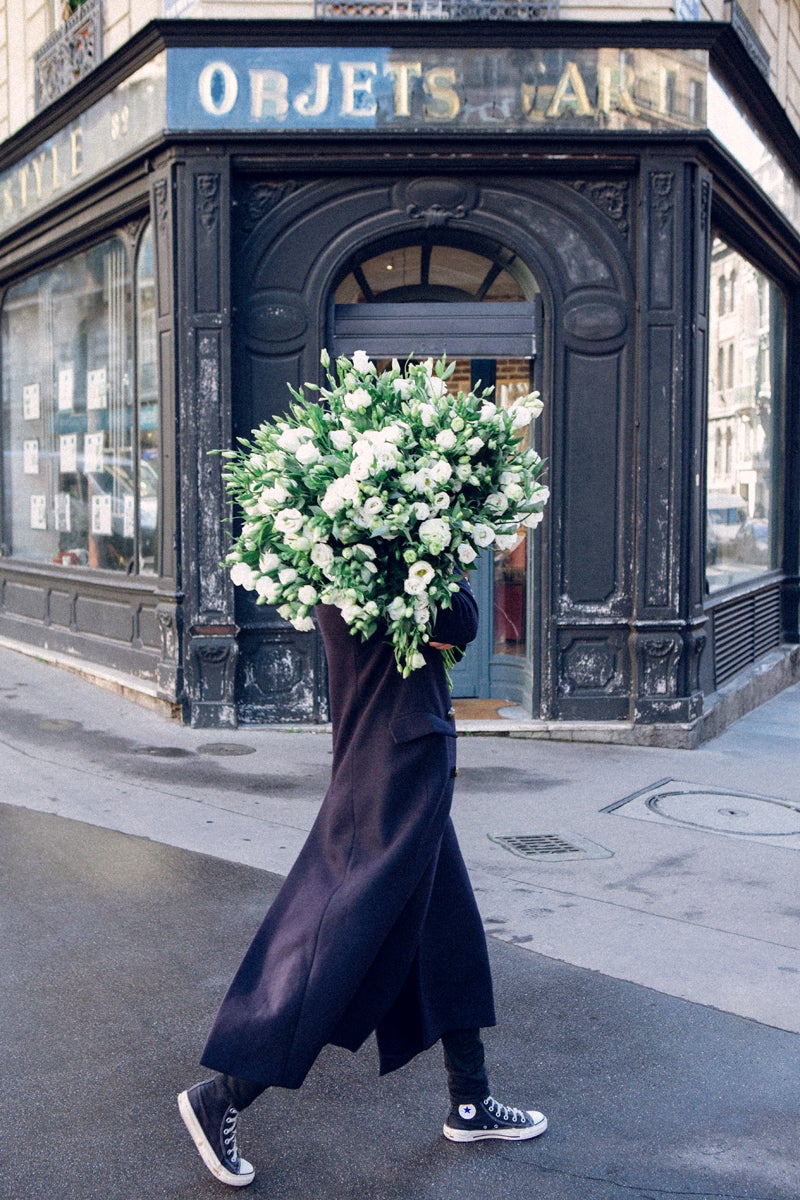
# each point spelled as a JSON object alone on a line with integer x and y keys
{"x": 473, "y": 299}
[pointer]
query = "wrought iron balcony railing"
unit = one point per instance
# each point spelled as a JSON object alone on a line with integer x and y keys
{"x": 439, "y": 10}
{"x": 69, "y": 54}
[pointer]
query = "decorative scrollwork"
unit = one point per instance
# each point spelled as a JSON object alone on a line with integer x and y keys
{"x": 612, "y": 198}
{"x": 259, "y": 199}
{"x": 207, "y": 192}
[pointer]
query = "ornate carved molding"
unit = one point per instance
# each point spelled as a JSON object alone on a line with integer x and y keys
{"x": 258, "y": 199}
{"x": 436, "y": 202}
{"x": 612, "y": 198}
{"x": 161, "y": 195}
{"x": 69, "y": 54}
{"x": 661, "y": 194}
{"x": 207, "y": 196}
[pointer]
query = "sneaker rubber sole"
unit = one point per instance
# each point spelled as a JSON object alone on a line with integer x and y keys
{"x": 206, "y": 1150}
{"x": 506, "y": 1134}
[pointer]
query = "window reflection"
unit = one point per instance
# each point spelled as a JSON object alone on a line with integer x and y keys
{"x": 74, "y": 479}
{"x": 744, "y": 406}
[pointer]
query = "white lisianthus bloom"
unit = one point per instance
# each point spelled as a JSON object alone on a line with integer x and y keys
{"x": 350, "y": 611}
{"x": 361, "y": 467}
{"x": 307, "y": 454}
{"x": 520, "y": 417}
{"x": 287, "y": 575}
{"x": 363, "y": 550}
{"x": 267, "y": 588}
{"x": 290, "y": 520}
{"x": 506, "y": 541}
{"x": 483, "y": 535}
{"x": 435, "y": 534}
{"x": 322, "y": 555}
{"x": 387, "y": 456}
{"x": 421, "y": 510}
{"x": 457, "y": 424}
{"x": 303, "y": 624}
{"x": 533, "y": 519}
{"x": 362, "y": 363}
{"x": 276, "y": 461}
{"x": 488, "y": 412}
{"x": 392, "y": 433}
{"x": 540, "y": 494}
{"x": 362, "y": 448}
{"x": 463, "y": 472}
{"x": 307, "y": 594}
{"x": 338, "y": 494}
{"x": 427, "y": 415}
{"x": 514, "y": 491}
{"x": 372, "y": 505}
{"x": 268, "y": 561}
{"x": 441, "y": 471}
{"x": 272, "y": 497}
{"x": 357, "y": 400}
{"x": 446, "y": 439}
{"x": 497, "y": 502}
{"x": 291, "y": 439}
{"x": 419, "y": 576}
{"x": 243, "y": 576}
{"x": 403, "y": 388}
{"x": 474, "y": 445}
{"x": 417, "y": 661}
{"x": 466, "y": 553}
{"x": 250, "y": 529}
{"x": 397, "y": 609}
{"x": 441, "y": 501}
{"x": 437, "y": 387}
{"x": 341, "y": 439}
{"x": 423, "y": 479}
{"x": 296, "y": 541}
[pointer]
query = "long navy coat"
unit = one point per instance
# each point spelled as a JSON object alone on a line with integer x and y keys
{"x": 376, "y": 926}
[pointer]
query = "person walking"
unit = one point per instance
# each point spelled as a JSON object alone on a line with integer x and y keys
{"x": 375, "y": 929}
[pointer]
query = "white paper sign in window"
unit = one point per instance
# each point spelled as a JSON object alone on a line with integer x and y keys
{"x": 68, "y": 453}
{"x": 62, "y": 511}
{"x": 31, "y": 402}
{"x": 30, "y": 457}
{"x": 101, "y": 515}
{"x": 66, "y": 388}
{"x": 97, "y": 389}
{"x": 38, "y": 512}
{"x": 93, "y": 457}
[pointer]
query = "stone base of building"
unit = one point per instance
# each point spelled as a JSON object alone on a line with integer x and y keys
{"x": 750, "y": 688}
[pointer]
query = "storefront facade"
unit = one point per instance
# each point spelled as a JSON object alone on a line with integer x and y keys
{"x": 573, "y": 212}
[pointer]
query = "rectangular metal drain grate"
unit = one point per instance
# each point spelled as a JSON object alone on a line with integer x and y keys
{"x": 550, "y": 845}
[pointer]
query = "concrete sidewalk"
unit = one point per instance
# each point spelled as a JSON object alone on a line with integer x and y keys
{"x": 647, "y": 968}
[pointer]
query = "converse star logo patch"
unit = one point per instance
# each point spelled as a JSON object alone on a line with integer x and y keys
{"x": 467, "y": 1111}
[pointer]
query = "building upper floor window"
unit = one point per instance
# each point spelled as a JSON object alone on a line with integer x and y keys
{"x": 80, "y": 411}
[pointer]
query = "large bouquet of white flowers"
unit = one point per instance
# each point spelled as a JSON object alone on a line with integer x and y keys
{"x": 375, "y": 496}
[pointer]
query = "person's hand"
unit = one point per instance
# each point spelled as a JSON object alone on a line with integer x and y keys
{"x": 442, "y": 645}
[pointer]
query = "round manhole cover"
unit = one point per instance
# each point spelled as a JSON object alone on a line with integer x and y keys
{"x": 226, "y": 749}
{"x": 164, "y": 751}
{"x": 58, "y": 723}
{"x": 755, "y": 816}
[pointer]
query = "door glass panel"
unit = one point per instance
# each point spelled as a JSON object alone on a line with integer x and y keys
{"x": 510, "y": 632}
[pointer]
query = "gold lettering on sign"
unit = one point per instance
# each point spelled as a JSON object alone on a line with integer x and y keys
{"x": 57, "y": 181}
{"x": 313, "y": 104}
{"x": 22, "y": 176}
{"x": 617, "y": 95}
{"x": 400, "y": 73}
{"x": 8, "y": 201}
{"x": 38, "y": 173}
{"x": 269, "y": 94}
{"x": 570, "y": 90}
{"x": 76, "y": 151}
{"x": 444, "y": 102}
{"x": 357, "y": 80}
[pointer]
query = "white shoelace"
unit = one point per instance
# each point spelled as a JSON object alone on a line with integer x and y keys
{"x": 229, "y": 1136}
{"x": 502, "y": 1111}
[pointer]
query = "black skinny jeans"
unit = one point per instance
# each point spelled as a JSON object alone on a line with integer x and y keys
{"x": 464, "y": 1062}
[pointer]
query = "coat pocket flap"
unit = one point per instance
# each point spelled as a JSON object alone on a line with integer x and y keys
{"x": 408, "y": 726}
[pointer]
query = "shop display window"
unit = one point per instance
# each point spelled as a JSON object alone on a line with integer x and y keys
{"x": 80, "y": 412}
{"x": 745, "y": 417}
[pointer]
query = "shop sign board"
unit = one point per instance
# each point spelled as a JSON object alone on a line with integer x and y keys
{"x": 106, "y": 133}
{"x": 474, "y": 90}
